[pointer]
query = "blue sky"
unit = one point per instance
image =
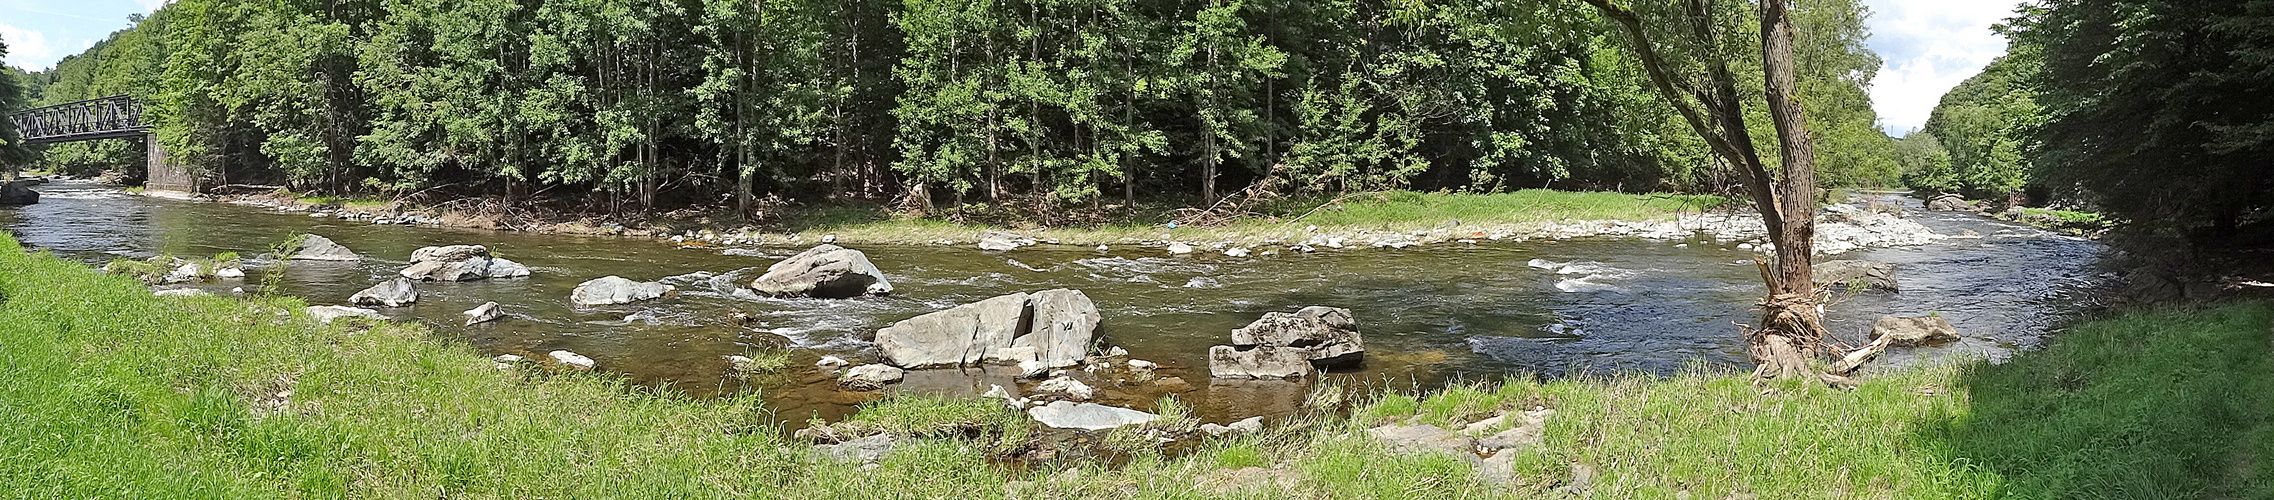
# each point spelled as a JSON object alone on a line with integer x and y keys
{"x": 1929, "y": 45}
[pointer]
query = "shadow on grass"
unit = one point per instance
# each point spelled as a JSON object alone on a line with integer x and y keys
{"x": 2177, "y": 403}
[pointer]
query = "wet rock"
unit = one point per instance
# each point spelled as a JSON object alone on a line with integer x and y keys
{"x": 396, "y": 292}
{"x": 449, "y": 263}
{"x": 1326, "y": 335}
{"x": 1139, "y": 365}
{"x": 616, "y": 290}
{"x": 826, "y": 271}
{"x": 572, "y": 361}
{"x": 867, "y": 449}
{"x": 187, "y": 272}
{"x": 871, "y": 376}
{"x": 1914, "y": 330}
{"x": 1071, "y": 415}
{"x": 484, "y": 313}
{"x": 1258, "y": 361}
{"x": 1064, "y": 325}
{"x": 229, "y": 273}
{"x": 1179, "y": 249}
{"x": 831, "y": 362}
{"x": 961, "y": 335}
{"x": 501, "y": 268}
{"x": 1246, "y": 426}
{"x": 1838, "y": 274}
{"x": 1236, "y": 252}
{"x": 1033, "y": 369}
{"x": 325, "y": 314}
{"x": 1067, "y": 386}
{"x": 17, "y": 192}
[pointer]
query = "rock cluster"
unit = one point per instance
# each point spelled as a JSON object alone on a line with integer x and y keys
{"x": 1493, "y": 455}
{"x": 1053, "y": 328}
{"x": 1284, "y": 345}
{"x": 826, "y": 271}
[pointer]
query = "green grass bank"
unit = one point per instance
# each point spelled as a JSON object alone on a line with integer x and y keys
{"x": 109, "y": 392}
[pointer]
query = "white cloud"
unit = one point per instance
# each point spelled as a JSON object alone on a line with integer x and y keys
{"x": 152, "y": 5}
{"x": 1930, "y": 46}
{"x": 28, "y": 49}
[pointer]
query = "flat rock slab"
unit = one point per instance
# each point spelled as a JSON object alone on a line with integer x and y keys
{"x": 1071, "y": 415}
{"x": 868, "y": 449}
{"x": 616, "y": 290}
{"x": 325, "y": 314}
{"x": 1425, "y": 439}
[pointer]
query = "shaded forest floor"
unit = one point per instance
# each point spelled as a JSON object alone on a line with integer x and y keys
{"x": 108, "y": 391}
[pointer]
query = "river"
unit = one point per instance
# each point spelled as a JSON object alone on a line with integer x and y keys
{"x": 1431, "y": 315}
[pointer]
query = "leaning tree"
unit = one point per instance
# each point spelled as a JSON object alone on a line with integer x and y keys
{"x": 1705, "y": 94}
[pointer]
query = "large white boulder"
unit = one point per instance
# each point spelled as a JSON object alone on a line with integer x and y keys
{"x": 1072, "y": 415}
{"x": 1065, "y": 325}
{"x": 826, "y": 271}
{"x": 449, "y": 263}
{"x": 610, "y": 290}
{"x": 962, "y": 335}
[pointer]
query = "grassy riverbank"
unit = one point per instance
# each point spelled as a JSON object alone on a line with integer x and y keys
{"x": 107, "y": 391}
{"x": 1284, "y": 219}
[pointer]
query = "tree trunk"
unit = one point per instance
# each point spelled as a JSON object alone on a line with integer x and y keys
{"x": 1791, "y": 332}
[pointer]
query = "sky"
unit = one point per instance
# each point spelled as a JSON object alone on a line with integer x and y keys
{"x": 1928, "y": 45}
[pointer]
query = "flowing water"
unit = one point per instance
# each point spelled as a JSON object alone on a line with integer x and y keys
{"x": 1430, "y": 314}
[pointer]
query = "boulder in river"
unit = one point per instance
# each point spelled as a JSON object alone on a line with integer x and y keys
{"x": 998, "y": 241}
{"x": 1059, "y": 325}
{"x": 483, "y": 313}
{"x": 1258, "y": 361}
{"x": 1282, "y": 345}
{"x": 449, "y": 263}
{"x": 396, "y": 292}
{"x": 17, "y": 193}
{"x": 1327, "y": 335}
{"x": 961, "y": 335}
{"x": 871, "y": 376}
{"x": 826, "y": 271}
{"x": 1914, "y": 331}
{"x": 1064, "y": 323}
{"x": 1839, "y": 273}
{"x": 610, "y": 290}
{"x": 1071, "y": 415}
{"x": 313, "y": 247}
{"x": 501, "y": 268}
{"x": 325, "y": 314}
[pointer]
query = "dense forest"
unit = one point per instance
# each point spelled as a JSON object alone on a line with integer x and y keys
{"x": 662, "y": 103}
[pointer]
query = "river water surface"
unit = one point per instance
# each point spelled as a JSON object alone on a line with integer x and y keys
{"x": 1430, "y": 314}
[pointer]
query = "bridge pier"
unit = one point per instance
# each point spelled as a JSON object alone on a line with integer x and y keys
{"x": 165, "y": 175}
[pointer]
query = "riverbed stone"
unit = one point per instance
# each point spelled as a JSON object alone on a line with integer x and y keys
{"x": 610, "y": 290}
{"x": 501, "y": 268}
{"x": 484, "y": 313}
{"x": 1950, "y": 203}
{"x": 1425, "y": 439}
{"x": 1327, "y": 336}
{"x": 1913, "y": 331}
{"x": 871, "y": 376}
{"x": 325, "y": 314}
{"x": 313, "y": 247}
{"x": 1091, "y": 416}
{"x": 831, "y": 362}
{"x": 396, "y": 292}
{"x": 1064, "y": 325}
{"x": 825, "y": 271}
{"x": 961, "y": 335}
{"x": 998, "y": 241}
{"x": 1839, "y": 273}
{"x": 1258, "y": 361}
{"x": 867, "y": 449}
{"x": 572, "y": 361}
{"x": 18, "y": 192}
{"x": 1066, "y": 386}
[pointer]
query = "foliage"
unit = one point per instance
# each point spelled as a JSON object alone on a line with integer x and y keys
{"x": 658, "y": 104}
{"x": 2155, "y": 109}
{"x": 1982, "y": 128}
{"x": 13, "y": 153}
